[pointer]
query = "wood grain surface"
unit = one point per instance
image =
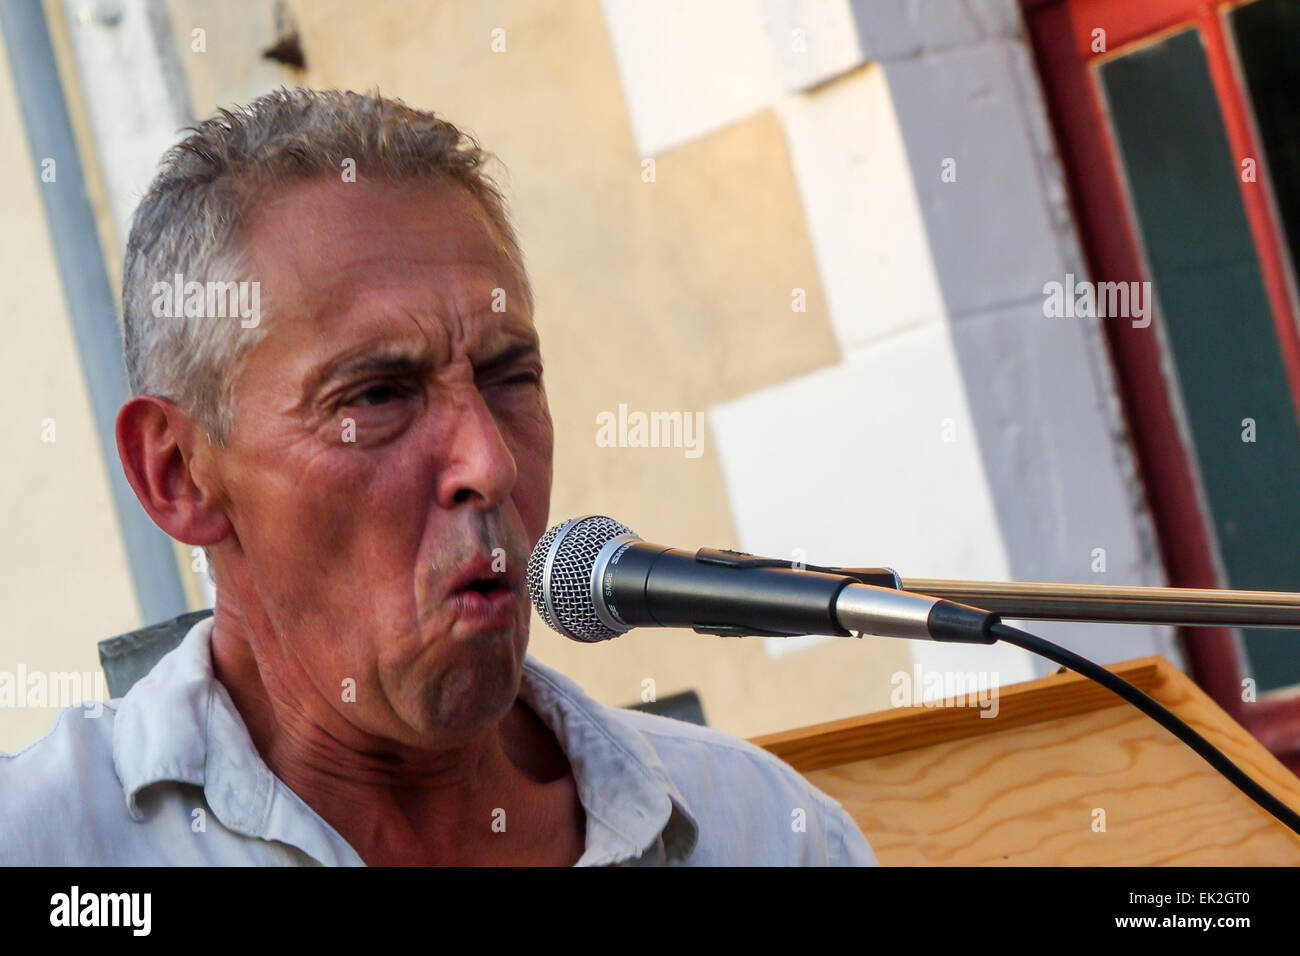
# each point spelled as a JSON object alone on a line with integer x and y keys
{"x": 943, "y": 786}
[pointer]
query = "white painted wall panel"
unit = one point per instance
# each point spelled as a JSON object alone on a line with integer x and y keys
{"x": 812, "y": 40}
{"x": 863, "y": 217}
{"x": 992, "y": 229}
{"x": 850, "y": 465}
{"x": 688, "y": 68}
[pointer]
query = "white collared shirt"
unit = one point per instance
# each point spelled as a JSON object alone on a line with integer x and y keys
{"x": 168, "y": 775}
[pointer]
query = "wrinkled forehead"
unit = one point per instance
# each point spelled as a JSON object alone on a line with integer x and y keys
{"x": 351, "y": 267}
{"x": 317, "y": 240}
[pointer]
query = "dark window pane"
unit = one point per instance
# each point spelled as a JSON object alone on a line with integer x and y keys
{"x": 1268, "y": 46}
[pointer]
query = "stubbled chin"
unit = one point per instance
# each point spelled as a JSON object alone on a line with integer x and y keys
{"x": 475, "y": 689}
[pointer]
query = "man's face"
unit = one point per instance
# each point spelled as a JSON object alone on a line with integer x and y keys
{"x": 391, "y": 444}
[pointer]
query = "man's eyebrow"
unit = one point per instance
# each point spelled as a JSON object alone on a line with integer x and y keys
{"x": 508, "y": 356}
{"x": 384, "y": 361}
{"x": 401, "y": 362}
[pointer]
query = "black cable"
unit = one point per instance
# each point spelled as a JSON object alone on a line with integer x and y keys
{"x": 1155, "y": 710}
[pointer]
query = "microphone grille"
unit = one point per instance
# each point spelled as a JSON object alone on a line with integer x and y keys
{"x": 559, "y": 576}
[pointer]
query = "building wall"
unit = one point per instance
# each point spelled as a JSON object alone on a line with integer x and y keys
{"x": 964, "y": 434}
{"x": 864, "y": 337}
{"x": 1043, "y": 403}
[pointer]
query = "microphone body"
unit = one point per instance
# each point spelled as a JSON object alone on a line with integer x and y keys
{"x": 649, "y": 585}
{"x": 592, "y": 579}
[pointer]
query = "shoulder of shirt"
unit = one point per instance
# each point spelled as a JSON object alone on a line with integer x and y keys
{"x": 678, "y": 743}
{"x": 730, "y": 765}
{"x": 70, "y": 723}
{"x": 673, "y": 739}
{"x": 43, "y": 786}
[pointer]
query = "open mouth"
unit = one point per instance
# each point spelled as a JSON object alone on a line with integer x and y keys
{"x": 485, "y": 586}
{"x": 485, "y": 601}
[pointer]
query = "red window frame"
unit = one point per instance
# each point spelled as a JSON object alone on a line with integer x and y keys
{"x": 1061, "y": 35}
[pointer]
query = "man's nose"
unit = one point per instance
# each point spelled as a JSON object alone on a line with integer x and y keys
{"x": 477, "y": 464}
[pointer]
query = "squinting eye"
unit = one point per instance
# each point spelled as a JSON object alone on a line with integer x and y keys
{"x": 375, "y": 395}
{"x": 523, "y": 378}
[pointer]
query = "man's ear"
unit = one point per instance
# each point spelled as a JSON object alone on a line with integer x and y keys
{"x": 160, "y": 447}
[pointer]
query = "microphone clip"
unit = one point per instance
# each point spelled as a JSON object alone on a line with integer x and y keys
{"x": 877, "y": 577}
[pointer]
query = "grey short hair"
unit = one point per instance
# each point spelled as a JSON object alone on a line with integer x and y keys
{"x": 190, "y": 220}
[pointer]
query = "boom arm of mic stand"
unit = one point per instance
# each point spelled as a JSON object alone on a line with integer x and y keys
{"x": 1188, "y": 607}
{"x": 1118, "y": 605}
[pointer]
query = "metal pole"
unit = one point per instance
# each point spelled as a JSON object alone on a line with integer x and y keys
{"x": 1118, "y": 605}
{"x": 91, "y": 304}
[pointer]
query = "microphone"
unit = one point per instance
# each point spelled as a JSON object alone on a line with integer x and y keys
{"x": 592, "y": 579}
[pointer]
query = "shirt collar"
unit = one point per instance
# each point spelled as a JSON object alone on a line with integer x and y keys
{"x": 178, "y": 724}
{"x": 165, "y": 722}
{"x": 630, "y": 799}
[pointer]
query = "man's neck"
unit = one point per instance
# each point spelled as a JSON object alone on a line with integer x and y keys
{"x": 505, "y": 796}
